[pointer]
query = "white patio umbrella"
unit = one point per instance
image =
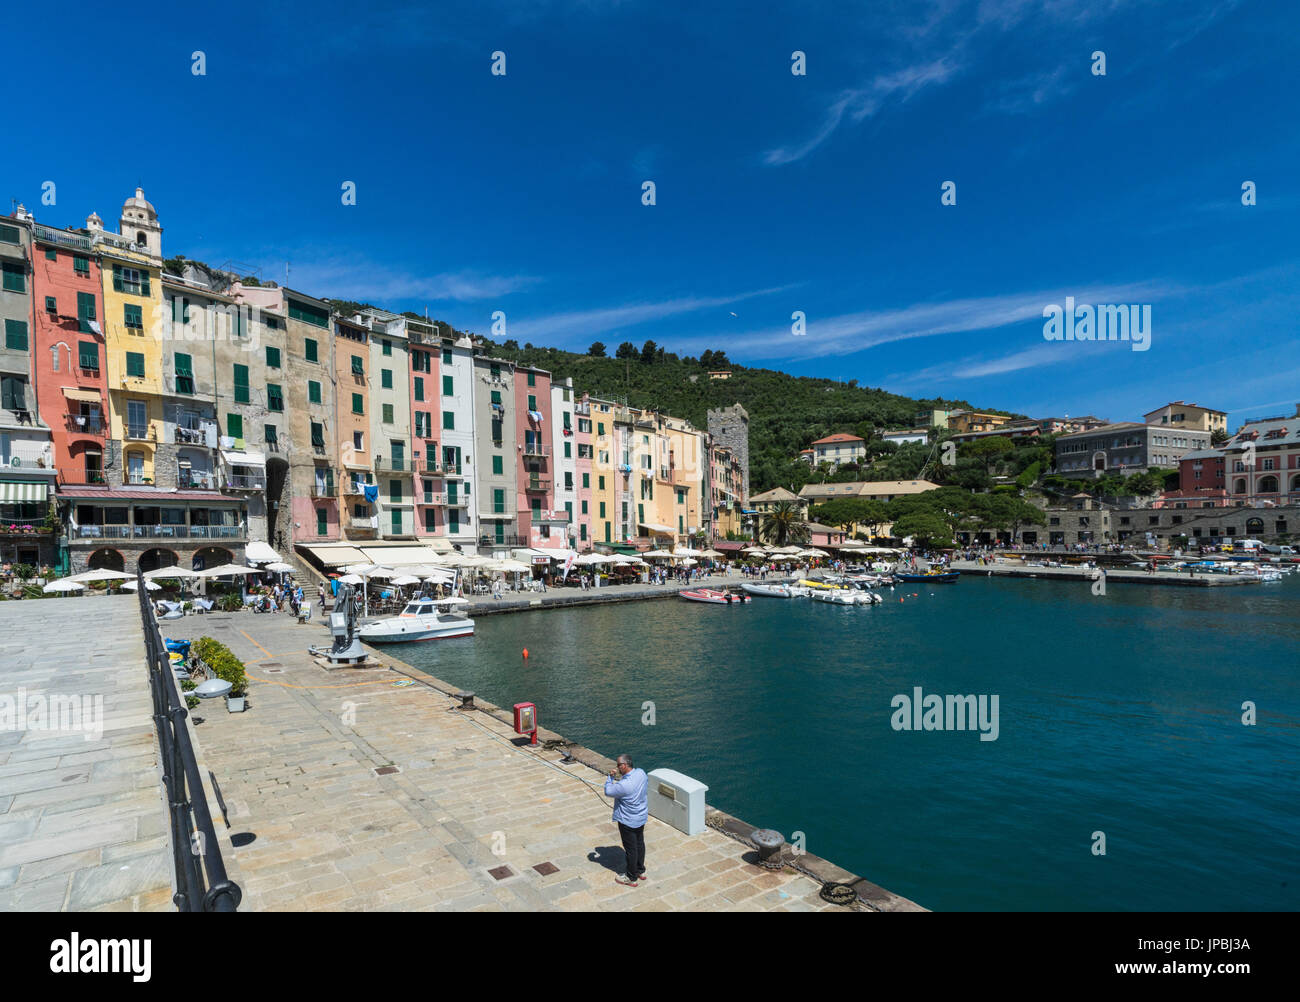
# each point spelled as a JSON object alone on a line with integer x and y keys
{"x": 688, "y": 562}
{"x": 754, "y": 551}
{"x": 382, "y": 573}
{"x": 350, "y": 579}
{"x": 229, "y": 570}
{"x": 175, "y": 571}
{"x": 63, "y": 585}
{"x": 406, "y": 579}
{"x": 148, "y": 586}
{"x": 712, "y": 554}
{"x": 281, "y": 568}
{"x": 686, "y": 551}
{"x": 656, "y": 554}
{"x": 102, "y": 574}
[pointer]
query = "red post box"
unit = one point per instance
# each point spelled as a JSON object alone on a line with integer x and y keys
{"x": 526, "y": 719}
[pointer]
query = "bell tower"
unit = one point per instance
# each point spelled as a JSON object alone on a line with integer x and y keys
{"x": 139, "y": 224}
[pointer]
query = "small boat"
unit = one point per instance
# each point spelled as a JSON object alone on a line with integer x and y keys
{"x": 422, "y": 619}
{"x": 835, "y": 596}
{"x": 930, "y": 577}
{"x": 768, "y": 590}
{"x": 714, "y": 597}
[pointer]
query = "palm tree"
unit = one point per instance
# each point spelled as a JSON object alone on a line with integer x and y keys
{"x": 783, "y": 524}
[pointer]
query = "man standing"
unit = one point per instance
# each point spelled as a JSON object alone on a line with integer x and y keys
{"x": 627, "y": 786}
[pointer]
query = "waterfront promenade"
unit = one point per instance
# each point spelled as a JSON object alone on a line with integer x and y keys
{"x": 83, "y": 823}
{"x": 364, "y": 789}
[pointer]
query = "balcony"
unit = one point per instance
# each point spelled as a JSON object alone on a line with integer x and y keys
{"x": 323, "y": 489}
{"x": 97, "y": 532}
{"x": 435, "y": 499}
{"x": 245, "y": 481}
{"x": 85, "y": 424}
{"x": 505, "y": 539}
{"x": 353, "y": 488}
{"x": 583, "y": 409}
{"x": 559, "y": 516}
{"x": 190, "y": 436}
{"x": 362, "y": 524}
{"x": 536, "y": 448}
{"x": 395, "y": 465}
{"x": 138, "y": 432}
{"x": 195, "y": 480}
{"x": 538, "y": 484}
{"x": 457, "y": 501}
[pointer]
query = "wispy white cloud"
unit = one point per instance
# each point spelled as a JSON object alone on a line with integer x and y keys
{"x": 367, "y": 281}
{"x": 586, "y": 323}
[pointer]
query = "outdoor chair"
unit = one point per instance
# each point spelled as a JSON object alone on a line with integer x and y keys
{"x": 202, "y": 605}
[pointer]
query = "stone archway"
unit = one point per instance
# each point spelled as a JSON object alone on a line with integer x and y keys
{"x": 106, "y": 560}
{"x": 153, "y": 559}
{"x": 1254, "y": 526}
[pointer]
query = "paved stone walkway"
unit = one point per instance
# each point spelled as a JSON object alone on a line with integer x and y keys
{"x": 83, "y": 824}
{"x": 358, "y": 789}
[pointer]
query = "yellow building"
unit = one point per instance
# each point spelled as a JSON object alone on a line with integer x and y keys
{"x": 133, "y": 336}
{"x": 605, "y": 508}
{"x": 968, "y": 421}
{"x": 1188, "y": 416}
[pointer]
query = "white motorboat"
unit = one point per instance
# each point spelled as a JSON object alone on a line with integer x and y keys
{"x": 422, "y": 619}
{"x": 768, "y": 590}
{"x": 835, "y": 596}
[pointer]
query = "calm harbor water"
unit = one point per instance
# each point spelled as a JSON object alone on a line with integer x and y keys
{"x": 1118, "y": 713}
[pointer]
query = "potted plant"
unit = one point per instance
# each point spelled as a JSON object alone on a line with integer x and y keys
{"x": 225, "y": 666}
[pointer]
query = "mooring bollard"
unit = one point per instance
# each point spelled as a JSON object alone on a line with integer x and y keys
{"x": 769, "y": 845}
{"x": 466, "y": 700}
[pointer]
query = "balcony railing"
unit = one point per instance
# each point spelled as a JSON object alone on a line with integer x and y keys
{"x": 538, "y": 484}
{"x": 323, "y": 490}
{"x": 137, "y": 431}
{"x": 159, "y": 532}
{"x": 359, "y": 524}
{"x": 506, "y": 539}
{"x": 353, "y": 488}
{"x": 191, "y": 480}
{"x": 431, "y": 498}
{"x": 536, "y": 449}
{"x": 245, "y": 482}
{"x": 191, "y": 436}
{"x": 85, "y": 424}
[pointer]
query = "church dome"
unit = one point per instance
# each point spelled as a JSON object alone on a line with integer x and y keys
{"x": 139, "y": 203}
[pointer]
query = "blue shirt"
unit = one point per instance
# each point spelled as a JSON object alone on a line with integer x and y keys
{"x": 629, "y": 793}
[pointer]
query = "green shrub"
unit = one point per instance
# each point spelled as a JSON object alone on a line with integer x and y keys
{"x": 230, "y": 602}
{"x": 191, "y": 701}
{"x": 188, "y": 684}
{"x": 218, "y": 657}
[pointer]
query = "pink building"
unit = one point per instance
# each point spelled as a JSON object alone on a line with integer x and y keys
{"x": 430, "y": 486}
{"x": 535, "y": 498}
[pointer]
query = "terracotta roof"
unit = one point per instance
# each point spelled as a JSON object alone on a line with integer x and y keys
{"x": 839, "y": 437}
{"x": 157, "y": 494}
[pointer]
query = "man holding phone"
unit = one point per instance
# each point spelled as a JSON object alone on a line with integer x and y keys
{"x": 627, "y": 785}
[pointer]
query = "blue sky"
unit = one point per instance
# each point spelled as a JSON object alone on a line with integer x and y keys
{"x": 775, "y": 192}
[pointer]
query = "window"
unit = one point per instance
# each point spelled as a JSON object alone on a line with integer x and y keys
{"x": 13, "y": 394}
{"x": 446, "y": 357}
{"x": 600, "y": 428}
{"x": 397, "y": 518}
{"x": 584, "y": 507}
{"x": 241, "y": 384}
{"x": 309, "y": 315}
{"x": 133, "y": 316}
{"x": 15, "y": 277}
{"x": 132, "y": 281}
{"x": 85, "y": 311}
{"x": 447, "y": 387}
{"x": 235, "y": 426}
{"x": 498, "y": 466}
{"x": 88, "y": 355}
{"x": 313, "y": 391}
{"x": 388, "y": 413}
{"x": 8, "y": 234}
{"x": 398, "y": 455}
{"x": 309, "y": 349}
{"x": 16, "y": 335}
{"x": 566, "y": 415}
{"x": 272, "y": 357}
{"x": 81, "y": 265}
{"x": 357, "y": 368}
{"x": 52, "y": 306}
{"x": 358, "y": 407}
{"x": 568, "y": 450}
{"x": 322, "y": 521}
{"x": 602, "y": 509}
{"x": 498, "y": 501}
{"x": 419, "y": 387}
{"x": 430, "y": 520}
{"x": 184, "y": 373}
{"x": 272, "y": 436}
{"x": 586, "y": 480}
{"x": 532, "y": 402}
{"x": 317, "y": 435}
{"x": 448, "y": 420}
{"x": 359, "y": 441}
{"x": 135, "y": 364}
{"x": 395, "y": 492}
{"x": 568, "y": 481}
{"x": 386, "y": 378}
{"x": 600, "y": 481}
{"x": 496, "y": 370}
{"x": 388, "y": 347}
{"x": 496, "y": 397}
{"x": 274, "y": 397}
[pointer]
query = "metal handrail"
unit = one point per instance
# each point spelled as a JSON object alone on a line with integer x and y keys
{"x": 193, "y": 837}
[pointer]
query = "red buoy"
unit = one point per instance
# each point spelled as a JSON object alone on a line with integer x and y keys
{"x": 525, "y": 653}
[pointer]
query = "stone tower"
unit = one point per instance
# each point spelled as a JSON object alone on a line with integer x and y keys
{"x": 729, "y": 426}
{"x": 139, "y": 224}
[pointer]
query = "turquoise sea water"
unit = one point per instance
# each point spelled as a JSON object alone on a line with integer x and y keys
{"x": 1119, "y": 713}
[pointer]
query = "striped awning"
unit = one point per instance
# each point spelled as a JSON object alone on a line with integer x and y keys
{"x": 89, "y": 396}
{"x": 20, "y": 492}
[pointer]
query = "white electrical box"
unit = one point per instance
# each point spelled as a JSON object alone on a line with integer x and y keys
{"x": 677, "y": 800}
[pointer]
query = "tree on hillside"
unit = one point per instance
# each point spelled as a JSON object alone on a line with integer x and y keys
{"x": 784, "y": 525}
{"x": 926, "y": 528}
{"x": 989, "y": 450}
{"x": 597, "y": 350}
{"x": 626, "y": 350}
{"x": 649, "y": 351}
{"x": 846, "y": 512}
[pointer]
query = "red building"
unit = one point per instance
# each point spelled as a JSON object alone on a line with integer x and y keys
{"x": 536, "y": 471}
{"x": 69, "y": 355}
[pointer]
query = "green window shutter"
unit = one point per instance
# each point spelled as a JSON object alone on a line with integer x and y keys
{"x": 15, "y": 277}
{"x": 448, "y": 419}
{"x": 498, "y": 467}
{"x": 582, "y": 532}
{"x": 357, "y": 368}
{"x": 81, "y": 265}
{"x": 397, "y": 521}
{"x": 322, "y": 521}
{"x": 496, "y": 370}
{"x": 496, "y": 396}
{"x": 566, "y": 419}
{"x": 51, "y": 254}
{"x": 388, "y": 347}
{"x": 600, "y": 428}
{"x": 584, "y": 507}
{"x": 386, "y": 379}
{"x": 88, "y": 354}
{"x": 144, "y": 284}
{"x": 586, "y": 480}
{"x": 395, "y": 491}
{"x": 241, "y": 384}
{"x": 602, "y": 509}
{"x": 446, "y": 356}
{"x": 419, "y": 388}
{"x": 272, "y": 436}
{"x": 135, "y": 363}
{"x": 532, "y": 380}
{"x": 498, "y": 501}
{"x": 184, "y": 373}
{"x": 16, "y": 335}
{"x": 313, "y": 391}
{"x": 388, "y": 412}
{"x": 272, "y": 357}
{"x": 568, "y": 451}
{"x": 235, "y": 425}
{"x": 447, "y": 384}
{"x": 51, "y": 305}
{"x": 117, "y": 278}
{"x": 9, "y": 234}
{"x": 85, "y": 311}
{"x": 532, "y": 402}
{"x": 309, "y": 349}
{"x": 358, "y": 405}
{"x": 274, "y": 397}
{"x": 133, "y": 315}
{"x": 600, "y": 483}
{"x": 318, "y": 435}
